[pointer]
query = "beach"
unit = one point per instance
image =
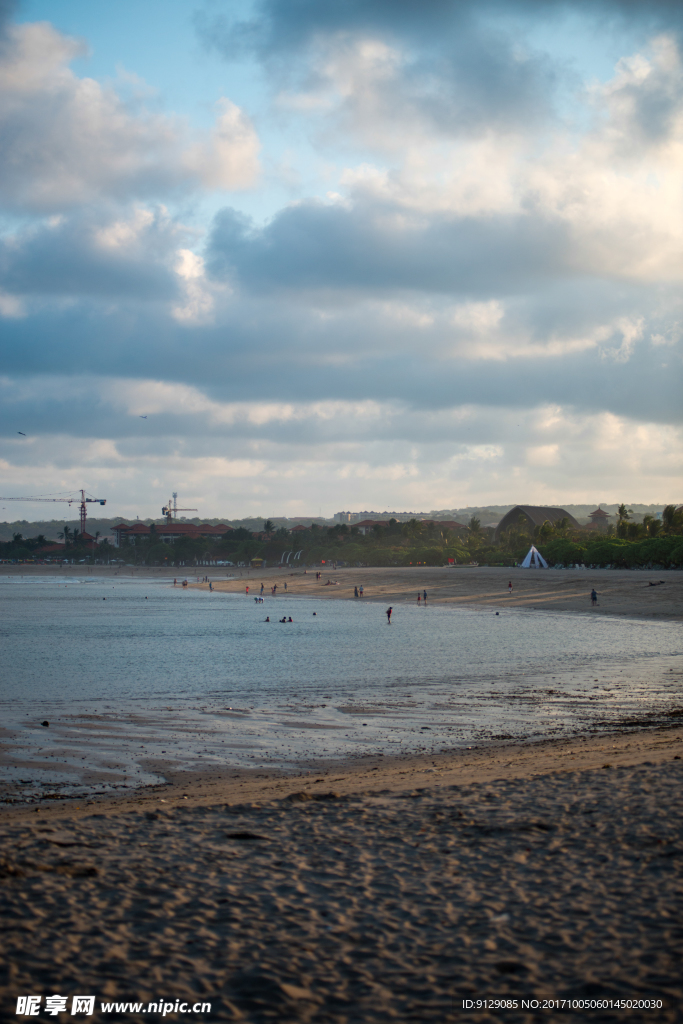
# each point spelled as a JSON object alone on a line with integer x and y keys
{"x": 374, "y": 887}
{"x": 382, "y": 892}
{"x": 622, "y": 592}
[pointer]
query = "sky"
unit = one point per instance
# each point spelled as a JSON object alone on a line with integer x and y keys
{"x": 288, "y": 257}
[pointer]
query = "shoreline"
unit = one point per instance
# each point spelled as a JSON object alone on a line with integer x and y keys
{"x": 375, "y": 773}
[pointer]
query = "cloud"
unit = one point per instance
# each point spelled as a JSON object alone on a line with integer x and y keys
{"x": 383, "y": 72}
{"x": 87, "y": 255}
{"x": 257, "y": 457}
{"x": 68, "y": 141}
{"x": 645, "y": 101}
{"x": 476, "y": 299}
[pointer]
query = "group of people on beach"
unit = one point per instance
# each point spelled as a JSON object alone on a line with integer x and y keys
{"x": 358, "y": 591}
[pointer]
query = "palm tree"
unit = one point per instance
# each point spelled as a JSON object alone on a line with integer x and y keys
{"x": 652, "y": 525}
{"x": 672, "y": 519}
{"x": 624, "y": 513}
{"x": 268, "y": 526}
{"x": 65, "y": 535}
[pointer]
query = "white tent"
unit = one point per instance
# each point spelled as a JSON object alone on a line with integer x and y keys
{"x": 534, "y": 560}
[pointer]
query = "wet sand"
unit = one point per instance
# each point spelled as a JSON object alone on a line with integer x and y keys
{"x": 370, "y": 893}
{"x": 622, "y": 592}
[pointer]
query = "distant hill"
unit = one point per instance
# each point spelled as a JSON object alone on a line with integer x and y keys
{"x": 487, "y": 514}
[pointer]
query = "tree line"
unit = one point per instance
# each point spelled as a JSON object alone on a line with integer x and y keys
{"x": 656, "y": 542}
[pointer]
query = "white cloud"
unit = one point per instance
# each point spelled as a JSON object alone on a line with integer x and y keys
{"x": 198, "y": 305}
{"x": 70, "y": 141}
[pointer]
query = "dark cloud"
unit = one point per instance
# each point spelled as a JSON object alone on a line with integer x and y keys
{"x": 264, "y": 349}
{"x": 375, "y": 247}
{"x": 456, "y": 70}
{"x": 82, "y": 256}
{"x": 465, "y": 67}
{"x": 287, "y": 25}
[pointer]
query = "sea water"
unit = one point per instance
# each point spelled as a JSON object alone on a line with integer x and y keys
{"x": 137, "y": 677}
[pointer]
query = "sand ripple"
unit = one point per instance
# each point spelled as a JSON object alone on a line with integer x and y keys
{"x": 392, "y": 907}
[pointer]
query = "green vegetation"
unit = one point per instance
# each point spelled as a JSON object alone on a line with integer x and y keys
{"x": 653, "y": 543}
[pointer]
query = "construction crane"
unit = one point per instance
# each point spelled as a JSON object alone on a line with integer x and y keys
{"x": 171, "y": 510}
{"x": 82, "y": 501}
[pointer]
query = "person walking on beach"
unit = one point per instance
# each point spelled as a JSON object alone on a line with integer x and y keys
{"x": 175, "y": 581}
{"x": 389, "y": 611}
{"x": 355, "y": 591}
{"x": 210, "y": 585}
{"x": 419, "y": 597}
{"x": 247, "y": 589}
{"x": 510, "y": 587}
{"x": 360, "y": 590}
{"x": 594, "y": 597}
{"x": 261, "y": 588}
{"x": 424, "y": 595}
{"x": 285, "y": 584}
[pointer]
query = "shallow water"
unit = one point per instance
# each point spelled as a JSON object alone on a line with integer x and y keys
{"x": 138, "y": 675}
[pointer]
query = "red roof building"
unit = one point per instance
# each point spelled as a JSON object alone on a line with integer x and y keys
{"x": 445, "y": 524}
{"x": 51, "y": 549}
{"x": 366, "y": 525}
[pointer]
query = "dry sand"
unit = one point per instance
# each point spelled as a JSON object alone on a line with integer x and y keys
{"x": 620, "y": 591}
{"x": 385, "y": 892}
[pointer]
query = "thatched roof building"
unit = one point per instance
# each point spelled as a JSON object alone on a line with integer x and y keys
{"x": 535, "y": 515}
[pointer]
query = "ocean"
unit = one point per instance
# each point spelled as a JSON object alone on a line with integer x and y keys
{"x": 136, "y": 676}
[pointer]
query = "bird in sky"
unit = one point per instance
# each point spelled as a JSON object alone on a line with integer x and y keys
{"x": 21, "y": 432}
{"x": 143, "y": 417}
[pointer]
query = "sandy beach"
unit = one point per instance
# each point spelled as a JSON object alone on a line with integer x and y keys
{"x": 378, "y": 892}
{"x": 621, "y": 592}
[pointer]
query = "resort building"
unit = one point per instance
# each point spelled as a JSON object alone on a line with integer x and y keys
{"x": 167, "y": 533}
{"x": 445, "y": 524}
{"x": 366, "y": 525}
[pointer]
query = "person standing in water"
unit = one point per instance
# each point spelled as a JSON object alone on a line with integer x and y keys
{"x": 389, "y": 611}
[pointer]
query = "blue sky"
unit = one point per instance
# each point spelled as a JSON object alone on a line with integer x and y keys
{"x": 376, "y": 254}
